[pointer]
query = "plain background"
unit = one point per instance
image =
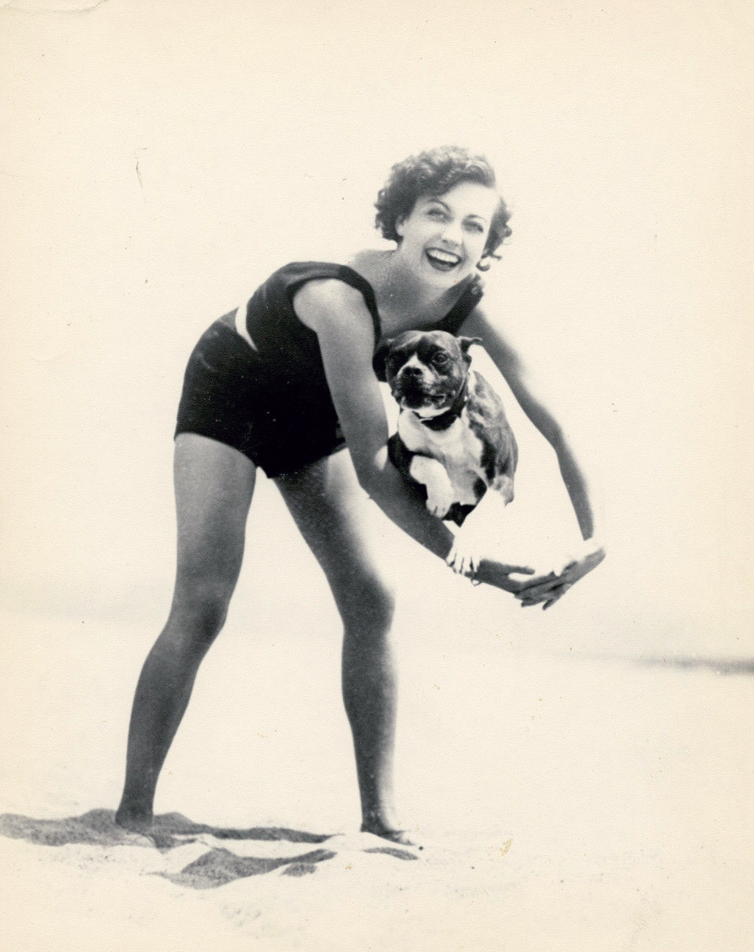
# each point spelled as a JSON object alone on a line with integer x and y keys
{"x": 160, "y": 159}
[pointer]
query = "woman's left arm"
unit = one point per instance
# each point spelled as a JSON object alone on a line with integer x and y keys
{"x": 550, "y": 588}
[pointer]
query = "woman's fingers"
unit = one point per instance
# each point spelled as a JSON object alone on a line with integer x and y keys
{"x": 540, "y": 586}
{"x": 548, "y": 594}
{"x": 551, "y": 588}
{"x": 558, "y": 595}
{"x": 534, "y": 589}
{"x": 499, "y": 574}
{"x": 539, "y": 580}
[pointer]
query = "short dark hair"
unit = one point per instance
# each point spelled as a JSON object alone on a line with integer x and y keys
{"x": 436, "y": 172}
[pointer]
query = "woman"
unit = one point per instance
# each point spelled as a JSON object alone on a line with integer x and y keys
{"x": 286, "y": 383}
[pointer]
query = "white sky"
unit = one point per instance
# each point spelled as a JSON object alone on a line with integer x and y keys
{"x": 158, "y": 160}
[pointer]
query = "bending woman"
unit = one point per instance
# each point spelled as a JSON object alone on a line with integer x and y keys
{"x": 286, "y": 384}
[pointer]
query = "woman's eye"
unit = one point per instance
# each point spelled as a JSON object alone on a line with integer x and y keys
{"x": 475, "y": 226}
{"x": 436, "y": 213}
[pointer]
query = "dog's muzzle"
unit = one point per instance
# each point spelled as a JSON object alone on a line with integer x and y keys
{"x": 412, "y": 389}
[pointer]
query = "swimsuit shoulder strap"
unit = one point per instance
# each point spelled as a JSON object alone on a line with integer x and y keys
{"x": 298, "y": 273}
{"x": 463, "y": 307}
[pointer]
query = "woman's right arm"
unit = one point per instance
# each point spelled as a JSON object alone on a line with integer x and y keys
{"x": 336, "y": 312}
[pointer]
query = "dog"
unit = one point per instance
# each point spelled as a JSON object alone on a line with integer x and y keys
{"x": 453, "y": 441}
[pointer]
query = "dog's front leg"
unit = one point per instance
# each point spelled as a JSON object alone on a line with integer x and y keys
{"x": 476, "y": 535}
{"x": 432, "y": 474}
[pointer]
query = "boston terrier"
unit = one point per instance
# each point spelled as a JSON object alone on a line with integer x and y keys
{"x": 453, "y": 440}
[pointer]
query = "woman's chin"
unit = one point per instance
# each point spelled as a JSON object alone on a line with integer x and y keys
{"x": 443, "y": 277}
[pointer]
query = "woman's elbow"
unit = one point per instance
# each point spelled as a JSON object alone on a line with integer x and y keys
{"x": 368, "y": 471}
{"x": 554, "y": 433}
{"x": 368, "y": 479}
{"x": 370, "y": 466}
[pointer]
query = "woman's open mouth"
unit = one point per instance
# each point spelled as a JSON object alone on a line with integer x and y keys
{"x": 442, "y": 260}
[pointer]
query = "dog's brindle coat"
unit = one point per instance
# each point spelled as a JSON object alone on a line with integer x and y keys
{"x": 453, "y": 441}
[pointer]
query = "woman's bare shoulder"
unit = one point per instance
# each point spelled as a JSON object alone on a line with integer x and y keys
{"x": 329, "y": 301}
{"x": 369, "y": 263}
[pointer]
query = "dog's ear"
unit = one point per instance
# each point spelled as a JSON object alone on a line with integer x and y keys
{"x": 466, "y": 342}
{"x": 378, "y": 361}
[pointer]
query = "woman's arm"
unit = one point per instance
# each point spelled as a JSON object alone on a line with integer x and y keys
{"x": 336, "y": 312}
{"x": 539, "y": 411}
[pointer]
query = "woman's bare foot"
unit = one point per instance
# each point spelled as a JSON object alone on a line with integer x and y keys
{"x": 143, "y": 826}
{"x": 135, "y": 821}
{"x": 401, "y": 837}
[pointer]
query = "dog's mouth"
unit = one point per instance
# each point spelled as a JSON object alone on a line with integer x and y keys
{"x": 434, "y": 403}
{"x": 420, "y": 399}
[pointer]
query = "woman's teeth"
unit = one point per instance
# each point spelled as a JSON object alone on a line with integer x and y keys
{"x": 445, "y": 260}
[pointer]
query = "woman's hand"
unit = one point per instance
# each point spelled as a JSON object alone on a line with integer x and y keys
{"x": 553, "y": 586}
{"x": 499, "y": 574}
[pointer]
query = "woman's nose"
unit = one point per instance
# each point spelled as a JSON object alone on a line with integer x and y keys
{"x": 452, "y": 232}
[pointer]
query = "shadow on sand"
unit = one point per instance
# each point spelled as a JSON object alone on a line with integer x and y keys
{"x": 725, "y": 666}
{"x": 214, "y": 868}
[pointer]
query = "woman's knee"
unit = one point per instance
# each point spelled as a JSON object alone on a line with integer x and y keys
{"x": 200, "y": 607}
{"x": 367, "y": 606}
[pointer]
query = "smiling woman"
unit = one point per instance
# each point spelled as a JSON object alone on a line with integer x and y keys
{"x": 432, "y": 175}
{"x": 449, "y": 233}
{"x": 287, "y": 383}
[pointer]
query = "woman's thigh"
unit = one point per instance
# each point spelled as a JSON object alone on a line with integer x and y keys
{"x": 339, "y": 523}
{"x": 214, "y": 485}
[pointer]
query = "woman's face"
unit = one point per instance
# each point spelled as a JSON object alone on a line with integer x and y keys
{"x": 443, "y": 238}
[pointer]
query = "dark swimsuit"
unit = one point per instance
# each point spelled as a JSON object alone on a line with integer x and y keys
{"x": 272, "y": 403}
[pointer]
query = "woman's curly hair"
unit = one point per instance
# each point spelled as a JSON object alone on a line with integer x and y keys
{"x": 436, "y": 172}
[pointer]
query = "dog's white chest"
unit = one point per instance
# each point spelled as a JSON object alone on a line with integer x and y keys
{"x": 458, "y": 449}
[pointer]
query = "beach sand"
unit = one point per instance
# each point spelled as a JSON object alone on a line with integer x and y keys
{"x": 565, "y": 799}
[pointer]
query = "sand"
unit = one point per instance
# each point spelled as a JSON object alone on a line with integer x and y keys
{"x": 566, "y": 800}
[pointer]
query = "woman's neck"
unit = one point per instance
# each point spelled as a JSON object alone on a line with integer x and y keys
{"x": 403, "y": 300}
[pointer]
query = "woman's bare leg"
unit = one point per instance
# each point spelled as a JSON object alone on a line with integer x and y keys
{"x": 214, "y": 485}
{"x": 329, "y": 508}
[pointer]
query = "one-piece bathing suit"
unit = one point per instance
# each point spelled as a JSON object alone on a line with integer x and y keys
{"x": 271, "y": 401}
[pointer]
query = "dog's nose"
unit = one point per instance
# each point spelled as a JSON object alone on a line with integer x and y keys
{"x": 411, "y": 370}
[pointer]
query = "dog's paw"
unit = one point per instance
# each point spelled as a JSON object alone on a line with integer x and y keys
{"x": 439, "y": 500}
{"x": 464, "y": 557}
{"x": 433, "y": 476}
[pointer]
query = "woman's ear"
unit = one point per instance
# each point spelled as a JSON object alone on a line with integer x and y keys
{"x": 485, "y": 262}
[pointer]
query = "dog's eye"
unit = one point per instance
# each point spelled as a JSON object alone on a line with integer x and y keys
{"x": 440, "y": 359}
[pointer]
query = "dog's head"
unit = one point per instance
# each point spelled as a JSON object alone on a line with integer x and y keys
{"x": 425, "y": 370}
